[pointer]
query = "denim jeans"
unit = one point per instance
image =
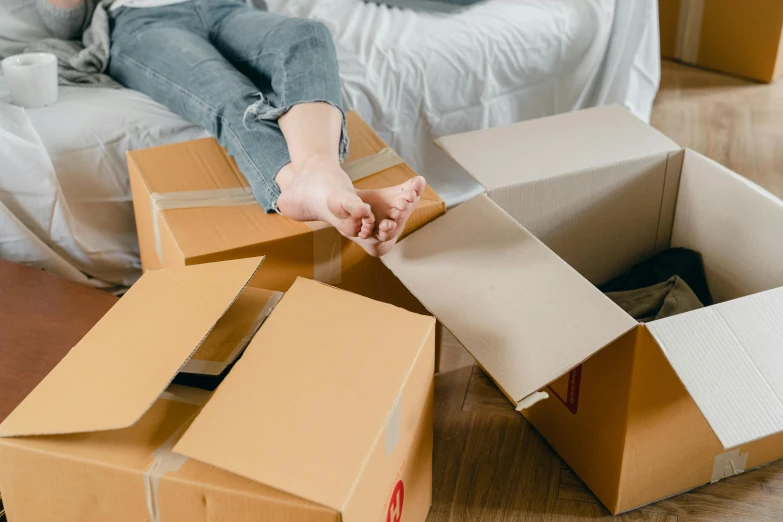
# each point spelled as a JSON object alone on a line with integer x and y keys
{"x": 232, "y": 69}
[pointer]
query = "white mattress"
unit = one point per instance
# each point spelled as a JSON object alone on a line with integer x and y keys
{"x": 64, "y": 198}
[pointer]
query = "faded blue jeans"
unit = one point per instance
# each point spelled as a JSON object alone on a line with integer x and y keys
{"x": 232, "y": 69}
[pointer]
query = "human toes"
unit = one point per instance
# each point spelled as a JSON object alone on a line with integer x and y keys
{"x": 417, "y": 185}
{"x": 355, "y": 216}
{"x": 387, "y": 229}
{"x": 368, "y": 224}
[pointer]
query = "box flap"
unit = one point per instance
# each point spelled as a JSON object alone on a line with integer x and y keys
{"x": 730, "y": 358}
{"x": 233, "y": 332}
{"x": 113, "y": 375}
{"x": 525, "y": 315}
{"x": 733, "y": 223}
{"x": 546, "y": 147}
{"x": 303, "y": 408}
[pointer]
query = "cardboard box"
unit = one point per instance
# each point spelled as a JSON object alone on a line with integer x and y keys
{"x": 639, "y": 412}
{"x": 193, "y": 206}
{"x": 742, "y": 38}
{"x": 320, "y": 419}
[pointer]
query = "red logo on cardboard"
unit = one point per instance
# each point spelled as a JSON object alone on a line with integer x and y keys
{"x": 395, "y": 504}
{"x": 571, "y": 400}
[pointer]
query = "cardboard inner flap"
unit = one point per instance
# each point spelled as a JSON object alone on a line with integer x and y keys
{"x": 113, "y": 375}
{"x": 546, "y": 147}
{"x": 233, "y": 331}
{"x": 523, "y": 313}
{"x": 736, "y": 225}
{"x": 729, "y": 356}
{"x": 306, "y": 404}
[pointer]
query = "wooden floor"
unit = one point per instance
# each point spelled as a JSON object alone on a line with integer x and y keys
{"x": 490, "y": 465}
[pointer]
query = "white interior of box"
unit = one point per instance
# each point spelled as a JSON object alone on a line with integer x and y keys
{"x": 603, "y": 192}
{"x": 730, "y": 355}
{"x": 736, "y": 225}
{"x": 603, "y": 221}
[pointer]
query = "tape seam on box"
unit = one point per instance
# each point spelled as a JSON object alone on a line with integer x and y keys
{"x": 728, "y": 464}
{"x": 373, "y": 164}
{"x": 394, "y": 426}
{"x": 327, "y": 253}
{"x": 229, "y": 197}
{"x": 323, "y": 245}
{"x": 531, "y": 399}
{"x": 163, "y": 459}
{"x": 689, "y": 31}
{"x": 217, "y": 367}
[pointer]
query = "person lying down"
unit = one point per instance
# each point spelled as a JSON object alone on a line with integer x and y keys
{"x": 266, "y": 86}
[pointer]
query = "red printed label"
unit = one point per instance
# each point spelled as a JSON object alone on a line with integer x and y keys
{"x": 395, "y": 504}
{"x": 567, "y": 388}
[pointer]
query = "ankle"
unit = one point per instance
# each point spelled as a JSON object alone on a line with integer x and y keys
{"x": 315, "y": 162}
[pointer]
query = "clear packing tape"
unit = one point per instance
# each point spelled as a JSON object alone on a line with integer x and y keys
{"x": 163, "y": 459}
{"x": 215, "y": 368}
{"x": 327, "y": 242}
{"x": 689, "y": 30}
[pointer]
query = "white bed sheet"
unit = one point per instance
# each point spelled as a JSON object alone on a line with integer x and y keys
{"x": 417, "y": 76}
{"x": 65, "y": 203}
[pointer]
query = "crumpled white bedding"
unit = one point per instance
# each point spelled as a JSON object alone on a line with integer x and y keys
{"x": 65, "y": 203}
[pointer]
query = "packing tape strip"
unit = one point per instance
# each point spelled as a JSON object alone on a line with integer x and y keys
{"x": 728, "y": 464}
{"x": 217, "y": 367}
{"x": 327, "y": 253}
{"x": 163, "y": 459}
{"x": 195, "y": 199}
{"x": 373, "y": 164}
{"x": 689, "y": 30}
{"x": 531, "y": 399}
{"x": 323, "y": 242}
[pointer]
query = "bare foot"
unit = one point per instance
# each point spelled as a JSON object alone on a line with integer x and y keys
{"x": 321, "y": 191}
{"x": 391, "y": 207}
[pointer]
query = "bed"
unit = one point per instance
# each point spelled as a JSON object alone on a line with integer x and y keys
{"x": 65, "y": 203}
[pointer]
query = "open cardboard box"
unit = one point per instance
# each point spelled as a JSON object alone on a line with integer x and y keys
{"x": 639, "y": 412}
{"x": 320, "y": 419}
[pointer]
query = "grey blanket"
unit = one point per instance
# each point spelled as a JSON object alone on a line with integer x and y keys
{"x": 81, "y": 63}
{"x": 84, "y": 63}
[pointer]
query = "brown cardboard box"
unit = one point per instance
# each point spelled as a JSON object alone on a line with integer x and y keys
{"x": 742, "y": 38}
{"x": 320, "y": 419}
{"x": 175, "y": 176}
{"x": 639, "y": 412}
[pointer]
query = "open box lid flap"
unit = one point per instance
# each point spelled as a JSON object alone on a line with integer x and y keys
{"x": 546, "y": 147}
{"x": 306, "y": 404}
{"x": 521, "y": 311}
{"x": 730, "y": 358}
{"x": 113, "y": 375}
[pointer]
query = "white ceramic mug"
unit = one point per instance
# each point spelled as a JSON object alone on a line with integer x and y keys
{"x": 32, "y": 79}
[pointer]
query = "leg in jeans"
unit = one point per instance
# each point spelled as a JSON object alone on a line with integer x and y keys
{"x": 296, "y": 62}
{"x": 237, "y": 72}
{"x": 164, "y": 52}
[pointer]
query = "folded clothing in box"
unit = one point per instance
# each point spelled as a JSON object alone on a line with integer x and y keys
{"x": 193, "y": 206}
{"x": 321, "y": 419}
{"x": 639, "y": 411}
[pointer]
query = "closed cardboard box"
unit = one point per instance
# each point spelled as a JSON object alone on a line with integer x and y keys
{"x": 321, "y": 419}
{"x": 193, "y": 206}
{"x": 742, "y": 38}
{"x": 639, "y": 411}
